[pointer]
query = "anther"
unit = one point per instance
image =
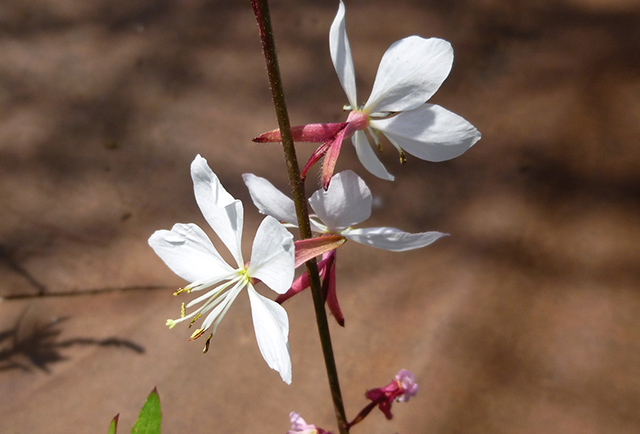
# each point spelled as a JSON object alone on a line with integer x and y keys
{"x": 194, "y": 319}
{"x": 206, "y": 344}
{"x": 403, "y": 158}
{"x": 196, "y": 334}
{"x": 181, "y": 290}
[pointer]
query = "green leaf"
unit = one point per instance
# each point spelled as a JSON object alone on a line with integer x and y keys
{"x": 150, "y": 416}
{"x": 114, "y": 424}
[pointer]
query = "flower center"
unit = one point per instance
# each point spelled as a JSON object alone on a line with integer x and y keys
{"x": 244, "y": 274}
{"x": 358, "y": 120}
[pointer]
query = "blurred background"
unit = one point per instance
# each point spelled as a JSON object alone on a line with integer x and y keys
{"x": 525, "y": 320}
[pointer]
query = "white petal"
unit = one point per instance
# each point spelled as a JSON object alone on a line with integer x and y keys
{"x": 202, "y": 174}
{"x": 393, "y": 239}
{"x": 269, "y": 200}
{"x": 346, "y": 202}
{"x": 341, "y": 56}
{"x": 368, "y": 157}
{"x": 430, "y": 132}
{"x": 271, "y": 325}
{"x": 273, "y": 256}
{"x": 187, "y": 250}
{"x": 223, "y": 213}
{"x": 410, "y": 72}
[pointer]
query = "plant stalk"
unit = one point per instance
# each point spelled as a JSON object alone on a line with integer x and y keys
{"x": 261, "y": 10}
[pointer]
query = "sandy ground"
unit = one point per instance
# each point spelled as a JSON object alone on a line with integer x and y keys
{"x": 525, "y": 320}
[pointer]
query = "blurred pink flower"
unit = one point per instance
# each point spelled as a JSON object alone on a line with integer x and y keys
{"x": 400, "y": 389}
{"x": 299, "y": 426}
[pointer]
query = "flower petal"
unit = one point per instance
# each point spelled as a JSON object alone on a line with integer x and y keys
{"x": 368, "y": 157}
{"x": 297, "y": 422}
{"x": 273, "y": 256}
{"x": 410, "y": 72}
{"x": 408, "y": 383}
{"x": 209, "y": 184}
{"x": 429, "y": 132}
{"x": 269, "y": 200}
{"x": 271, "y": 325}
{"x": 346, "y": 202}
{"x": 223, "y": 213}
{"x": 187, "y": 250}
{"x": 341, "y": 56}
{"x": 392, "y": 239}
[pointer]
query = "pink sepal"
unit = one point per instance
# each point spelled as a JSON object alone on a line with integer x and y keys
{"x": 301, "y": 283}
{"x": 312, "y": 247}
{"x": 327, "y": 271}
{"x": 329, "y": 288}
{"x": 314, "y": 133}
{"x": 331, "y": 157}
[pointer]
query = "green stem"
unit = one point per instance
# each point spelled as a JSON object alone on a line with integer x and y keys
{"x": 261, "y": 10}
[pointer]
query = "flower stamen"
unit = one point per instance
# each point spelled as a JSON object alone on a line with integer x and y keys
{"x": 196, "y": 334}
{"x": 194, "y": 319}
{"x": 181, "y": 290}
{"x": 206, "y": 344}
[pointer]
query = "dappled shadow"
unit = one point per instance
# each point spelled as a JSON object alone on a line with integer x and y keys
{"x": 40, "y": 347}
{"x": 105, "y": 104}
{"x": 76, "y": 119}
{"x": 8, "y": 258}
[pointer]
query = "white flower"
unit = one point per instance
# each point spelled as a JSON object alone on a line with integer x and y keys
{"x": 187, "y": 250}
{"x": 347, "y": 202}
{"x": 410, "y": 72}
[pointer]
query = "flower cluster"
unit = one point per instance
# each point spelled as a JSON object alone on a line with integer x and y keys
{"x": 410, "y": 72}
{"x": 346, "y": 203}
